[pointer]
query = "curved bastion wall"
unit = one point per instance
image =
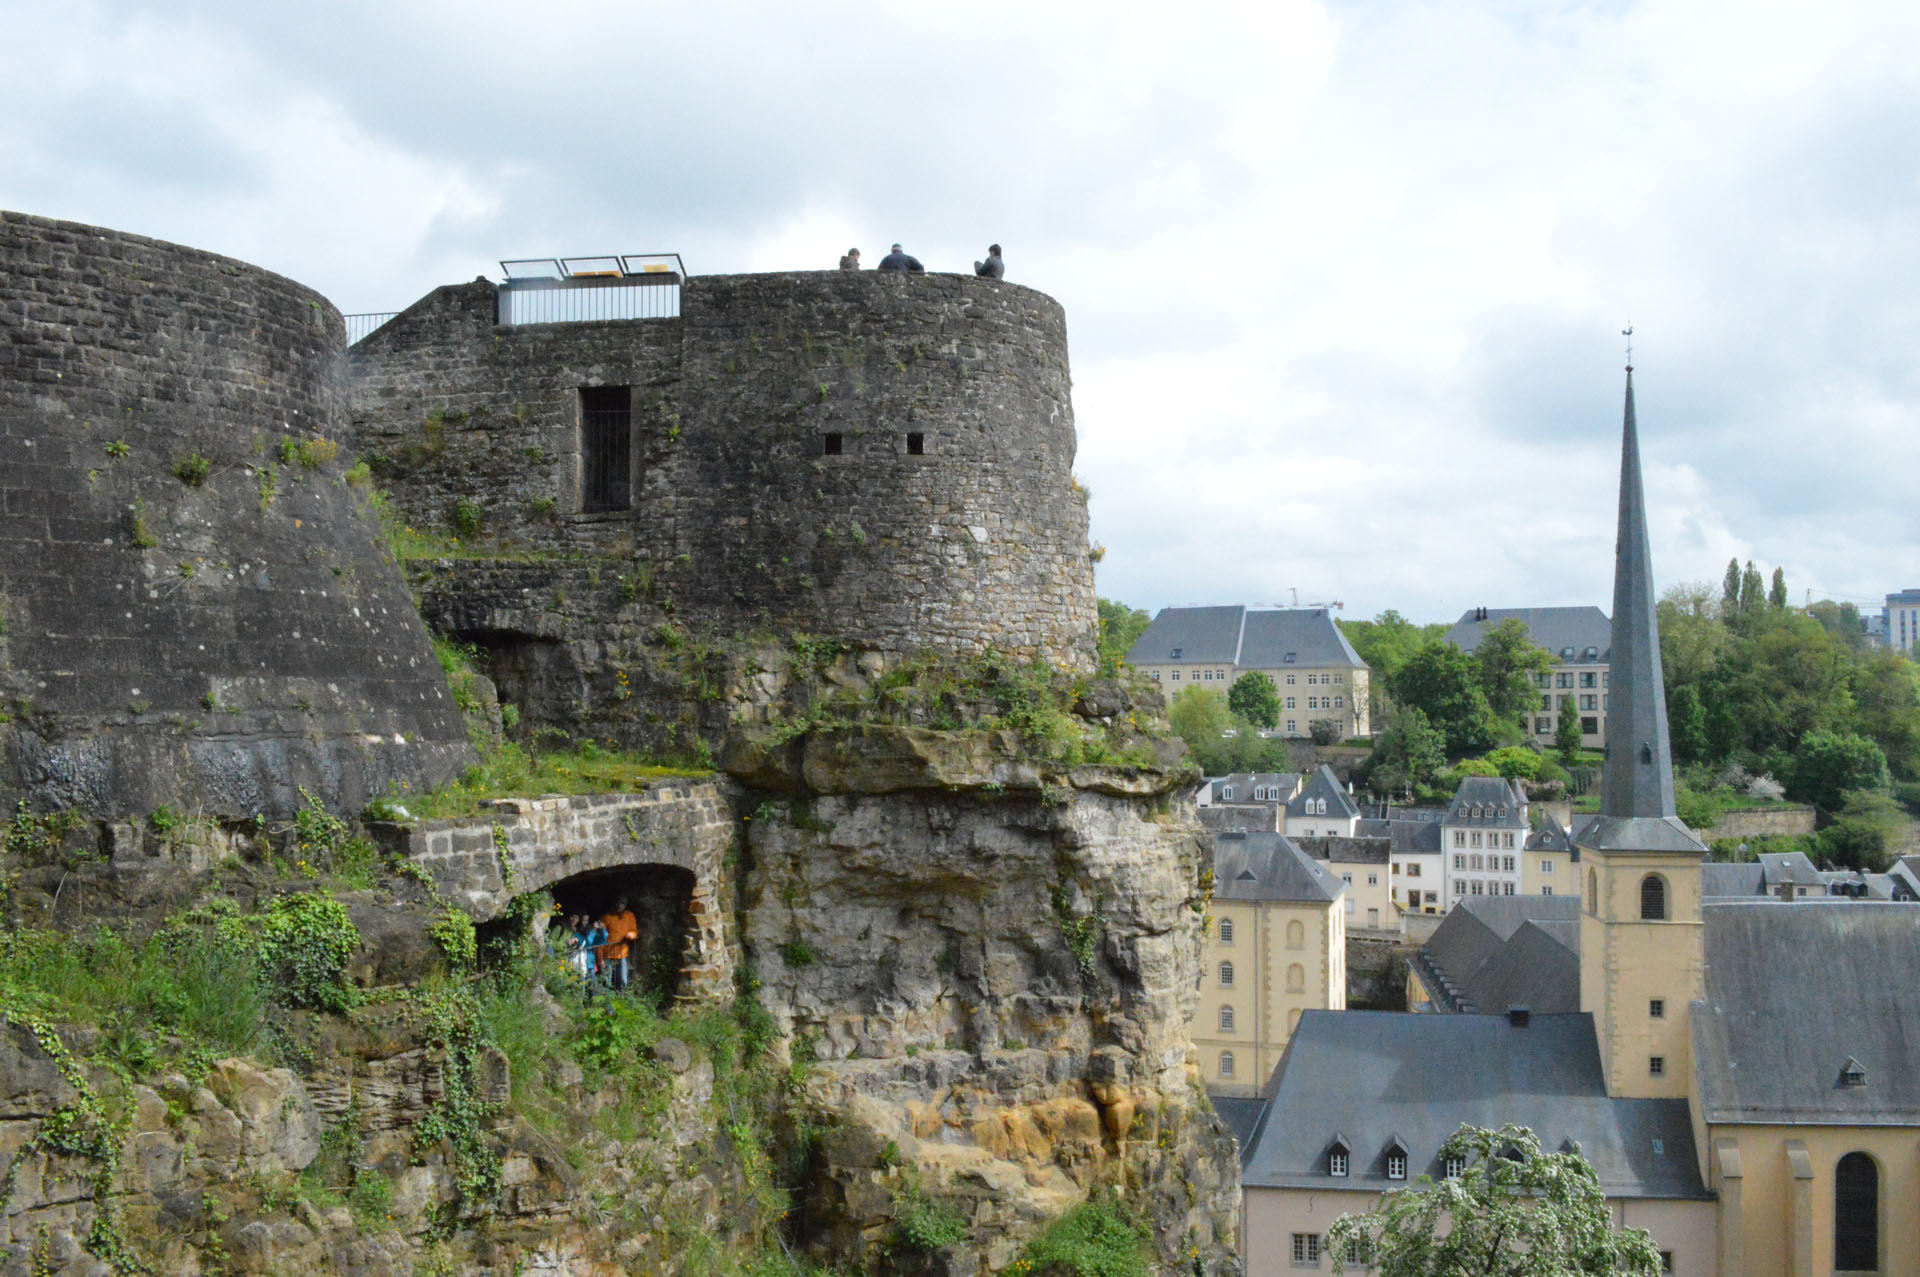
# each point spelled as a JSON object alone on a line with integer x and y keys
{"x": 882, "y": 459}
{"x": 194, "y": 607}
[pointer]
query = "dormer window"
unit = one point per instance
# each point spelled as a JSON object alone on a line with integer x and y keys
{"x": 1289, "y": 658}
{"x": 1176, "y": 653}
{"x": 1396, "y": 1158}
{"x": 1337, "y": 1156}
{"x": 1853, "y": 1073}
{"x": 1593, "y": 653}
{"x": 1226, "y": 794}
{"x": 1566, "y": 653}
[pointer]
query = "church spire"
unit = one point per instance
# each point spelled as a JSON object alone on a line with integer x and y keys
{"x": 1637, "y": 784}
{"x": 1638, "y": 781}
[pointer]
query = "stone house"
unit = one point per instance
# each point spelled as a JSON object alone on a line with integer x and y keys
{"x": 1578, "y": 639}
{"x": 1484, "y": 832}
{"x": 1321, "y": 808}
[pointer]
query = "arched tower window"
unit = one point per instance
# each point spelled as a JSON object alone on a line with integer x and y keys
{"x": 1226, "y": 931}
{"x": 1296, "y": 978}
{"x": 1856, "y": 1214}
{"x": 1593, "y": 893}
{"x": 1653, "y": 898}
{"x": 1226, "y": 973}
{"x": 1296, "y": 935}
{"x": 1226, "y": 1019}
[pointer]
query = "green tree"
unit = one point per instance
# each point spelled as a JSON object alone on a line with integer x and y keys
{"x": 1443, "y": 682}
{"x": 1120, "y": 627}
{"x": 1864, "y": 835}
{"x": 1513, "y": 1211}
{"x": 1407, "y": 755}
{"x": 1255, "y": 698}
{"x": 1687, "y": 724}
{"x": 1827, "y": 765}
{"x": 1200, "y": 717}
{"x": 1886, "y": 697}
{"x": 1515, "y": 762}
{"x": 1385, "y": 643}
{"x": 1566, "y": 734}
{"x": 1777, "y": 596}
{"x": 1508, "y": 659}
{"x": 1753, "y": 591}
{"x": 1692, "y": 636}
{"x": 1730, "y": 589}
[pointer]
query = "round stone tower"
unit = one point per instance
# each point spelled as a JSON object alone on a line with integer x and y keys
{"x": 194, "y": 607}
{"x": 881, "y": 459}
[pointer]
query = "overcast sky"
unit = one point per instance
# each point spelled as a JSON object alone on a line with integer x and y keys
{"x": 1344, "y": 282}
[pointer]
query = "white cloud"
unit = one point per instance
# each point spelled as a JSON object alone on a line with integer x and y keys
{"x": 1343, "y": 282}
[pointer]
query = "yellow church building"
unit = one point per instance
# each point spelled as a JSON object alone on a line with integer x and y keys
{"x": 1743, "y": 1073}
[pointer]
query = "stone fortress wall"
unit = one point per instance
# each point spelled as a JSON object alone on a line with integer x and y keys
{"x": 880, "y": 459}
{"x": 223, "y": 639}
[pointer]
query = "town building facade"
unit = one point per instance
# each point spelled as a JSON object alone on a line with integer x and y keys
{"x": 1578, "y": 638}
{"x": 1314, "y": 669}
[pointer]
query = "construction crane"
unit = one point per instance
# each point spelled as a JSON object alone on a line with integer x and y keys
{"x": 1334, "y": 605}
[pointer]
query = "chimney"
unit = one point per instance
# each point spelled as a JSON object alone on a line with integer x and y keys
{"x": 1518, "y": 1017}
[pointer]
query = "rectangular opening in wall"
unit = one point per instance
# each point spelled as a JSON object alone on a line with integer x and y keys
{"x": 830, "y": 444}
{"x": 606, "y": 448}
{"x": 916, "y": 444}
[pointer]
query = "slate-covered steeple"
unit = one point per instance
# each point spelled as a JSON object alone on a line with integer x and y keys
{"x": 1636, "y": 789}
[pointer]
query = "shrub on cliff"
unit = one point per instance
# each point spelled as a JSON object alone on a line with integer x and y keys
{"x": 305, "y": 942}
{"x": 1101, "y": 1238}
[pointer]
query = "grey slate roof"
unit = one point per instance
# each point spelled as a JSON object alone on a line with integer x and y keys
{"x": 1262, "y": 866}
{"x": 1554, "y": 628}
{"x": 1487, "y": 802}
{"x": 1842, "y": 975}
{"x": 1636, "y": 785}
{"x": 1493, "y": 952}
{"x": 1551, "y": 837}
{"x": 1409, "y": 837}
{"x": 1244, "y": 783}
{"x": 1719, "y": 880}
{"x": 1347, "y": 851}
{"x": 1374, "y": 1075}
{"x": 1323, "y": 785}
{"x": 1777, "y": 867}
{"x": 1251, "y": 639}
{"x": 1310, "y": 635}
{"x": 1242, "y": 1115}
{"x": 1201, "y": 635}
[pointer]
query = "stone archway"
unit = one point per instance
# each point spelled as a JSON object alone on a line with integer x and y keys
{"x": 661, "y": 898}
{"x": 665, "y": 845}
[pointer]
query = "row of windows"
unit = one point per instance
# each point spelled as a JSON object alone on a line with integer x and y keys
{"x": 1479, "y": 888}
{"x": 1496, "y": 838}
{"x": 1226, "y": 675}
{"x": 1321, "y": 702}
{"x": 1296, "y": 933}
{"x": 1497, "y": 864}
{"x": 1589, "y": 726}
{"x": 1587, "y": 679}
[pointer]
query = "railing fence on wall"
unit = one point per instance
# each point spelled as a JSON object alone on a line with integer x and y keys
{"x": 560, "y": 301}
{"x": 361, "y": 326}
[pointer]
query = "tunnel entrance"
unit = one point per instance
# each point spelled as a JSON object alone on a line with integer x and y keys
{"x": 660, "y": 898}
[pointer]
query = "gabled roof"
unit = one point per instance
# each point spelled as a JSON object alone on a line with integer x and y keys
{"x": 1381, "y": 1075}
{"x": 1262, "y": 866}
{"x": 1244, "y": 783}
{"x": 1200, "y": 636}
{"x": 1242, "y": 1115}
{"x": 1323, "y": 785}
{"x": 1488, "y": 801}
{"x": 1549, "y": 837}
{"x": 1493, "y": 952}
{"x": 1777, "y": 867}
{"x": 1266, "y": 638}
{"x": 1841, "y": 974}
{"x": 1557, "y": 629}
{"x": 1307, "y": 636}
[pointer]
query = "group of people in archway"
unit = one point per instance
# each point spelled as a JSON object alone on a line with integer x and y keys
{"x": 598, "y": 950}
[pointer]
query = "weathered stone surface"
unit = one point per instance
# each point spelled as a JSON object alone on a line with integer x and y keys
{"x": 998, "y": 987}
{"x": 182, "y": 642}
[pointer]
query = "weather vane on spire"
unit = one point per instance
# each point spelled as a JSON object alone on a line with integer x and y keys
{"x": 1627, "y": 332}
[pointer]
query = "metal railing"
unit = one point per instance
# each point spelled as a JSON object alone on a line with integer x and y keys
{"x": 359, "y": 327}
{"x": 578, "y": 300}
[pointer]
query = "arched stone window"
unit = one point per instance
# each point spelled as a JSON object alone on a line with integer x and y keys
{"x": 1226, "y": 1019}
{"x": 1226, "y": 1064}
{"x": 1226, "y": 931}
{"x": 1653, "y": 898}
{"x": 1296, "y": 978}
{"x": 1226, "y": 973}
{"x": 1856, "y": 1214}
{"x": 1296, "y": 935}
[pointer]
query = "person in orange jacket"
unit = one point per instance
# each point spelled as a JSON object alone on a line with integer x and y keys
{"x": 622, "y": 930}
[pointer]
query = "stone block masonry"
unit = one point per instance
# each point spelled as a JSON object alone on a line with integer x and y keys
{"x": 873, "y": 458}
{"x": 193, "y": 607}
{"x": 529, "y": 844}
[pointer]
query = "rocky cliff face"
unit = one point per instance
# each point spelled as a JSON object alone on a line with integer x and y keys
{"x": 993, "y": 964}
